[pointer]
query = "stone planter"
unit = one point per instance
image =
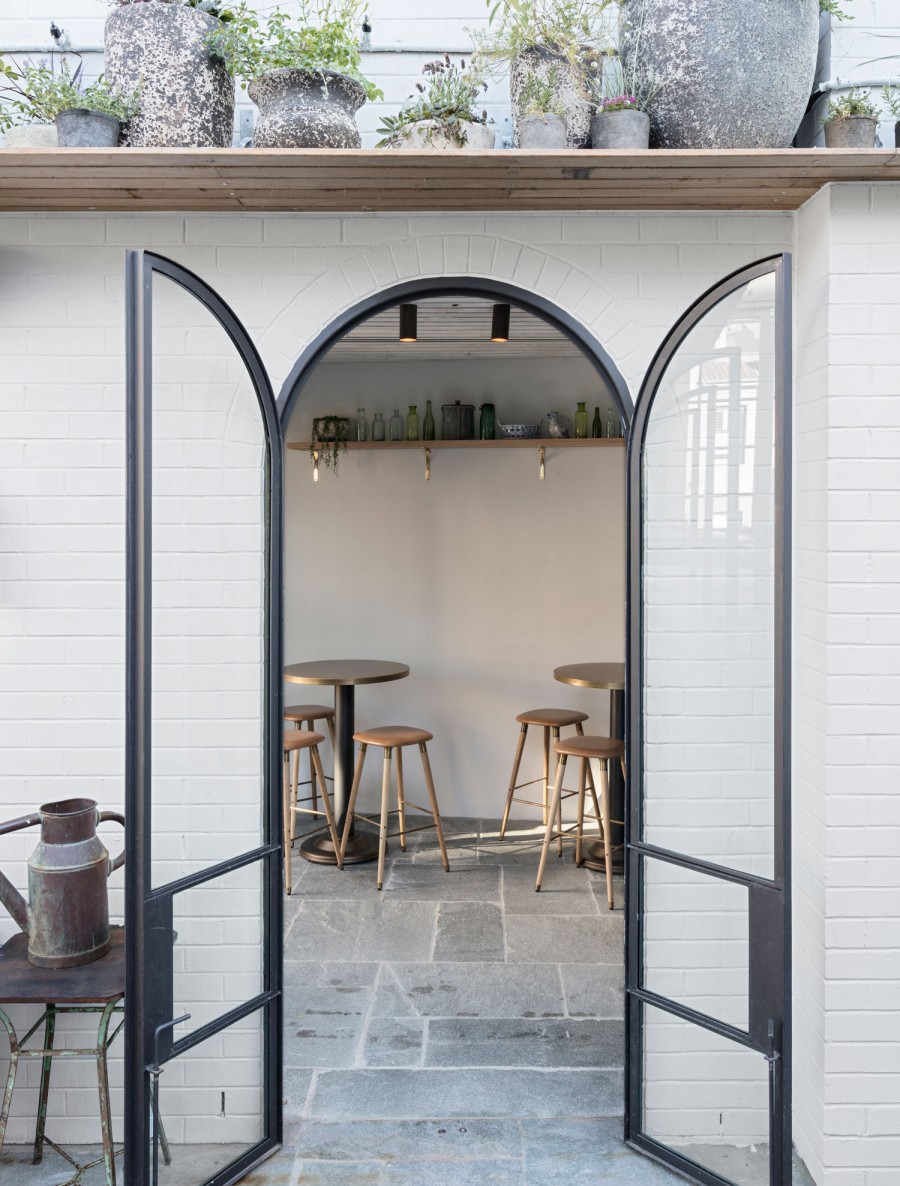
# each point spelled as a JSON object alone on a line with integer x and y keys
{"x": 567, "y": 90}
{"x": 427, "y": 136}
{"x": 734, "y": 73}
{"x": 298, "y": 109}
{"x": 625, "y": 130}
{"x": 31, "y": 136}
{"x": 541, "y": 131}
{"x": 854, "y": 131}
{"x": 187, "y": 98}
{"x": 80, "y": 128}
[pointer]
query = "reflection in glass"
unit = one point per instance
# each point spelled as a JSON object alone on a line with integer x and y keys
{"x": 708, "y": 590}
{"x": 706, "y": 1098}
{"x": 697, "y": 941}
{"x": 209, "y": 515}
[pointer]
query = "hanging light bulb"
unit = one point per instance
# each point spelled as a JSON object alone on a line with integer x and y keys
{"x": 409, "y": 317}
{"x": 500, "y": 323}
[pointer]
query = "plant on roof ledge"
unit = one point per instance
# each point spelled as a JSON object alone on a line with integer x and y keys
{"x": 40, "y": 92}
{"x": 443, "y": 113}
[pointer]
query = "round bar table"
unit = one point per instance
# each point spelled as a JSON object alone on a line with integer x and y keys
{"x": 609, "y": 676}
{"x": 344, "y": 675}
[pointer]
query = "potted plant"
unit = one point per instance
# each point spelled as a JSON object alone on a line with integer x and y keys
{"x": 556, "y": 40}
{"x": 734, "y": 73}
{"x": 163, "y": 48}
{"x": 891, "y": 101}
{"x": 852, "y": 121}
{"x": 305, "y": 78}
{"x": 541, "y": 116}
{"x": 442, "y": 116}
{"x": 623, "y": 98}
{"x": 27, "y": 112}
{"x": 329, "y": 439}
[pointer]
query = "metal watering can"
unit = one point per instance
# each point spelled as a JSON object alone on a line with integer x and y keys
{"x": 66, "y": 917}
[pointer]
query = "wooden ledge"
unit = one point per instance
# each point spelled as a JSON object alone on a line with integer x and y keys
{"x": 140, "y": 180}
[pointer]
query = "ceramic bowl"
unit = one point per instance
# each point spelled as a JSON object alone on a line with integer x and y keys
{"x": 519, "y": 432}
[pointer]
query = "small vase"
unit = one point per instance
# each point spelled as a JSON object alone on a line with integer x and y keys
{"x": 378, "y": 427}
{"x": 396, "y": 427}
{"x": 581, "y": 423}
{"x": 362, "y": 430}
{"x": 412, "y": 423}
{"x": 301, "y": 109}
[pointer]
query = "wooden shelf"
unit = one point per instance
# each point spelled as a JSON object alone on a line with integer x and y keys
{"x": 547, "y": 443}
{"x": 346, "y": 180}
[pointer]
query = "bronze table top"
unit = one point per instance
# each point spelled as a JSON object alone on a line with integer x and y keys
{"x": 345, "y": 672}
{"x": 592, "y": 675}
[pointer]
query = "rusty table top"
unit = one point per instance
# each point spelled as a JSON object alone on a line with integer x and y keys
{"x": 96, "y": 983}
{"x": 592, "y": 675}
{"x": 345, "y": 671}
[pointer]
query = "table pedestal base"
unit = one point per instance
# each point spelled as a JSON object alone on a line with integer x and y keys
{"x": 361, "y": 847}
{"x": 592, "y": 855}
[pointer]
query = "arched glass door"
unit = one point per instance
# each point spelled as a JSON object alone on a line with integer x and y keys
{"x": 203, "y": 904}
{"x": 708, "y": 910}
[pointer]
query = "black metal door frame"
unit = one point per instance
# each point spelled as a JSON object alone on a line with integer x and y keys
{"x": 769, "y": 900}
{"x": 149, "y": 1042}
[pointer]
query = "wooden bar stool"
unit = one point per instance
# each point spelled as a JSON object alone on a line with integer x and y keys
{"x": 294, "y": 741}
{"x": 551, "y": 720}
{"x": 390, "y": 738}
{"x": 305, "y": 716}
{"x": 602, "y": 749}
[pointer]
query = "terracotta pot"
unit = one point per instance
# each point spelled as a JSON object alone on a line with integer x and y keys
{"x": 541, "y": 131}
{"x": 299, "y": 109}
{"x": 80, "y": 128}
{"x": 854, "y": 131}
{"x": 624, "y": 130}
{"x": 734, "y": 73}
{"x": 428, "y": 136}
{"x": 568, "y": 89}
{"x": 187, "y": 98}
{"x": 32, "y": 136}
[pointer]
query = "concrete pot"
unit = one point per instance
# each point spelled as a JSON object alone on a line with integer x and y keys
{"x": 625, "y": 130}
{"x": 734, "y": 73}
{"x": 80, "y": 128}
{"x": 427, "y": 136}
{"x": 31, "y": 136}
{"x": 299, "y": 109}
{"x": 541, "y": 131}
{"x": 187, "y": 98}
{"x": 568, "y": 90}
{"x": 855, "y": 131}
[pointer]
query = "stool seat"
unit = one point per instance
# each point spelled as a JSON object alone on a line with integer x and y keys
{"x": 301, "y": 739}
{"x": 309, "y": 712}
{"x": 552, "y": 717}
{"x": 590, "y": 747}
{"x": 393, "y": 735}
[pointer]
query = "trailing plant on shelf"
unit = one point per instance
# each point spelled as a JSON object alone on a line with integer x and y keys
{"x": 329, "y": 439}
{"x": 446, "y": 103}
{"x": 36, "y": 92}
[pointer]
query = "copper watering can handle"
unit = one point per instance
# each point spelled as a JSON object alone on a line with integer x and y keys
{"x": 120, "y": 819}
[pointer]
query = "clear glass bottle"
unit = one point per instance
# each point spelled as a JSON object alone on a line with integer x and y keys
{"x": 581, "y": 422}
{"x": 612, "y": 423}
{"x": 362, "y": 430}
{"x": 378, "y": 427}
{"x": 396, "y": 427}
{"x": 412, "y": 423}
{"x": 596, "y": 425}
{"x": 488, "y": 423}
{"x": 428, "y": 423}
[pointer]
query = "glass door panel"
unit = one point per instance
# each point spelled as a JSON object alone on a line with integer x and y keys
{"x": 708, "y": 744}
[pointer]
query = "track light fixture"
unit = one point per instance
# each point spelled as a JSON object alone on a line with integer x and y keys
{"x": 500, "y": 323}
{"x": 409, "y": 318}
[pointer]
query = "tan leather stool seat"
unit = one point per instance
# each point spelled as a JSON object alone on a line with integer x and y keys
{"x": 393, "y": 735}
{"x": 309, "y": 712}
{"x": 590, "y": 747}
{"x": 301, "y": 739}
{"x": 550, "y": 717}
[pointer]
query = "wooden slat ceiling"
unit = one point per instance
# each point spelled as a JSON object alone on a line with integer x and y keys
{"x": 451, "y": 328}
{"x": 235, "y": 179}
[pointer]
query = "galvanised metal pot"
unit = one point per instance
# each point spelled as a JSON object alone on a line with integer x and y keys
{"x": 302, "y": 109}
{"x": 78, "y": 127}
{"x": 854, "y": 131}
{"x": 66, "y": 917}
{"x": 624, "y": 130}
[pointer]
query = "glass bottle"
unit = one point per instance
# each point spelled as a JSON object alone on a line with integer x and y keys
{"x": 581, "y": 423}
{"x": 488, "y": 424}
{"x": 396, "y": 428}
{"x": 362, "y": 431}
{"x": 612, "y": 423}
{"x": 412, "y": 423}
{"x": 428, "y": 423}
{"x": 596, "y": 425}
{"x": 378, "y": 427}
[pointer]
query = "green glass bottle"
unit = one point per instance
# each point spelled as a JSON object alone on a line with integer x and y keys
{"x": 596, "y": 425}
{"x": 581, "y": 423}
{"x": 412, "y": 423}
{"x": 487, "y": 428}
{"x": 428, "y": 423}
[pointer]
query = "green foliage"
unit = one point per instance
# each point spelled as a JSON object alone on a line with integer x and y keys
{"x": 323, "y": 36}
{"x": 536, "y": 96}
{"x": 209, "y": 6}
{"x": 833, "y": 8}
{"x": 570, "y": 29}
{"x": 448, "y": 99}
{"x": 890, "y": 97}
{"x": 36, "y": 92}
{"x": 329, "y": 439}
{"x": 855, "y": 102}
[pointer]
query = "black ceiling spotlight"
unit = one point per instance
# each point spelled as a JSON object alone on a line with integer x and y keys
{"x": 500, "y": 323}
{"x": 409, "y": 318}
